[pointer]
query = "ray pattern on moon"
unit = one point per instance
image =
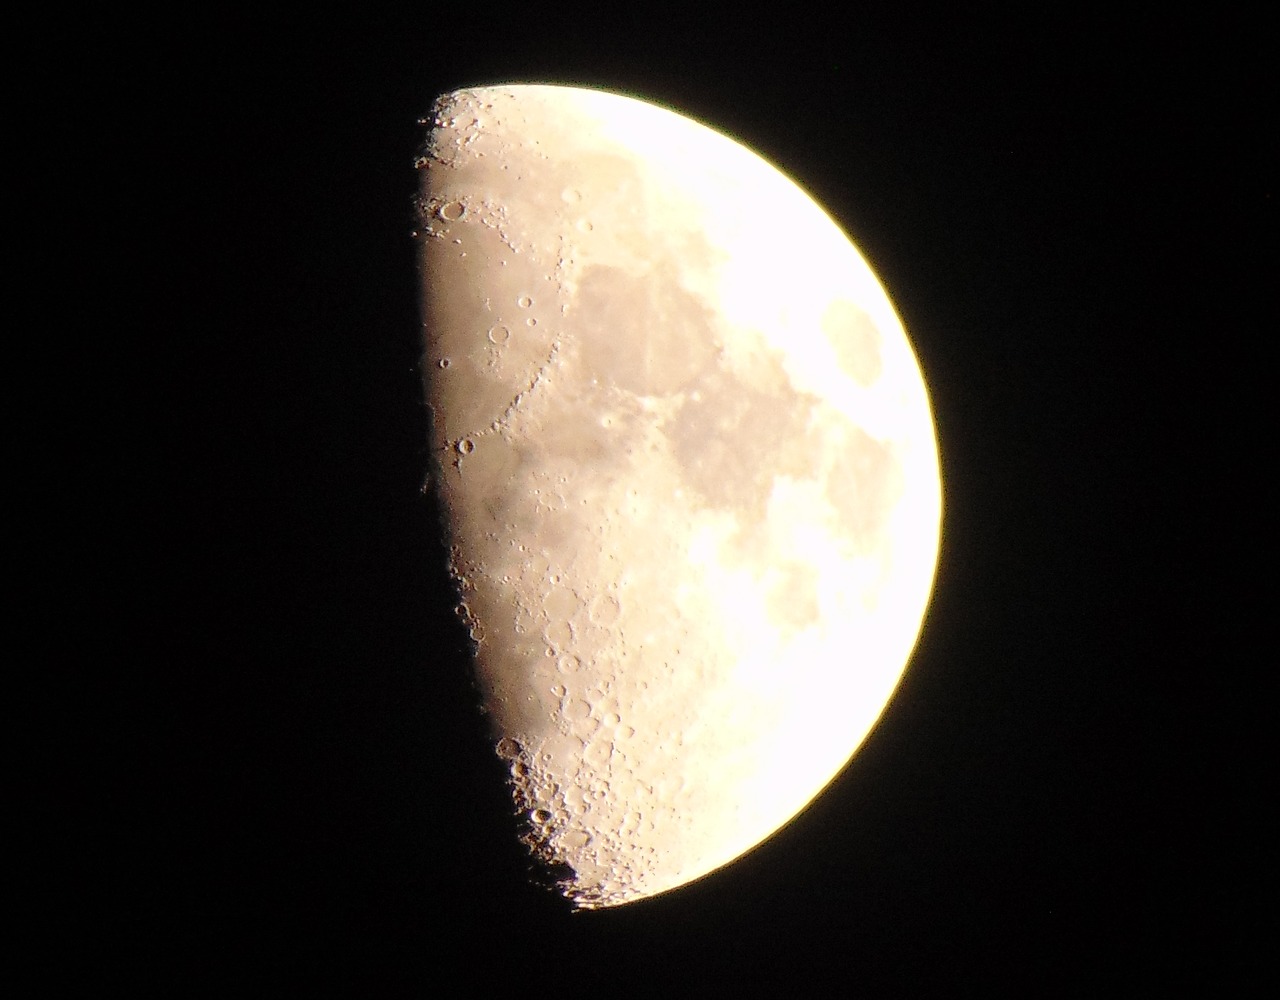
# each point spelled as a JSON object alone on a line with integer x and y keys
{"x": 689, "y": 471}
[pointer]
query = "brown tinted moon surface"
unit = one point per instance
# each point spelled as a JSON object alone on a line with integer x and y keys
{"x": 689, "y": 471}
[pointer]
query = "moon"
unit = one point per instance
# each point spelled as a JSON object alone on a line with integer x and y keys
{"x": 689, "y": 474}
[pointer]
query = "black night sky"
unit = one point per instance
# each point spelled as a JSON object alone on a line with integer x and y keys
{"x": 289, "y": 786}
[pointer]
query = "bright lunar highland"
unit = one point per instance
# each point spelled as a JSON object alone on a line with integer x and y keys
{"x": 689, "y": 473}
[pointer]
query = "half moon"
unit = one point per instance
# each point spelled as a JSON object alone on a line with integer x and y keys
{"x": 689, "y": 471}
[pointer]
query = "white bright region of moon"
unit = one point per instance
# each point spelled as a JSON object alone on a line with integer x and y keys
{"x": 689, "y": 474}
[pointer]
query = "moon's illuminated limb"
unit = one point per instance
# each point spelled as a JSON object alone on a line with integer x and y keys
{"x": 690, "y": 472}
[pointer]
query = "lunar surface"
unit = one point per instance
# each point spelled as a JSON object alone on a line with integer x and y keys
{"x": 689, "y": 471}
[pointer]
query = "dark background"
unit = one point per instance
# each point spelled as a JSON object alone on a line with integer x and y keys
{"x": 269, "y": 770}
